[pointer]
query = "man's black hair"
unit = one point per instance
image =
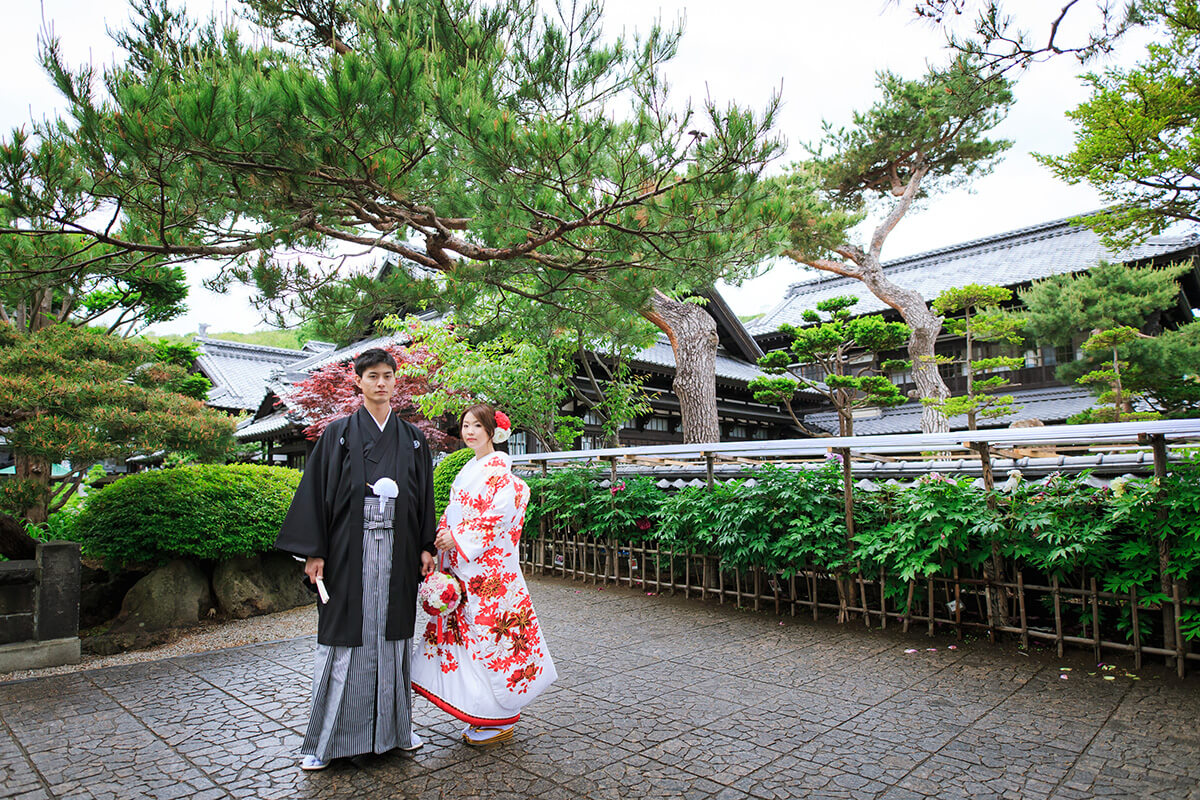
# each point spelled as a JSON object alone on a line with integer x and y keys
{"x": 372, "y": 358}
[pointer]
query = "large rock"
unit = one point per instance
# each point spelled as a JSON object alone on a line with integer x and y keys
{"x": 245, "y": 587}
{"x": 102, "y": 590}
{"x": 173, "y": 596}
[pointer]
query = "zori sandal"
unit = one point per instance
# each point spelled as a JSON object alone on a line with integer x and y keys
{"x": 485, "y": 737}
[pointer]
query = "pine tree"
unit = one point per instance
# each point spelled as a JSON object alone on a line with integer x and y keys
{"x": 828, "y": 345}
{"x": 1162, "y": 367}
{"x": 82, "y": 395}
{"x": 522, "y": 159}
{"x": 1117, "y": 400}
{"x": 982, "y": 321}
{"x": 921, "y": 136}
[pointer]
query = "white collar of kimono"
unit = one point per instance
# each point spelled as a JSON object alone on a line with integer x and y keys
{"x": 383, "y": 424}
{"x": 504, "y": 457}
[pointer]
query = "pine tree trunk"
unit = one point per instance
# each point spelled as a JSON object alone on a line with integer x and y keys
{"x": 38, "y": 471}
{"x": 864, "y": 265}
{"x": 15, "y": 543}
{"x": 693, "y": 335}
{"x": 925, "y": 326}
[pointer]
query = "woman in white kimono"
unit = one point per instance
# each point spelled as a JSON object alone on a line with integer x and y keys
{"x": 485, "y": 660}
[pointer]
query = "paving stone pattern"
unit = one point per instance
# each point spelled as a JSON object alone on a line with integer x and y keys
{"x": 658, "y": 698}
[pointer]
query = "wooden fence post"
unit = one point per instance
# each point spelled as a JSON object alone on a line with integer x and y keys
{"x": 1021, "y": 603}
{"x": 1058, "y": 629}
{"x": 1158, "y": 445}
{"x": 1137, "y": 631}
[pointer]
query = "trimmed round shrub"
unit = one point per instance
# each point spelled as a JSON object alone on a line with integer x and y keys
{"x": 207, "y": 512}
{"x": 445, "y": 473}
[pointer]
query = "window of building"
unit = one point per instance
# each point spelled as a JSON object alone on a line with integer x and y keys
{"x": 900, "y": 377}
{"x": 760, "y": 433}
{"x": 812, "y": 372}
{"x": 657, "y": 423}
{"x": 591, "y": 443}
{"x": 737, "y": 432}
{"x": 1066, "y": 353}
{"x": 955, "y": 368}
{"x": 518, "y": 445}
{"x": 592, "y": 418}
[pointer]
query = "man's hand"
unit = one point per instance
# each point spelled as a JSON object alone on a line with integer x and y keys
{"x": 427, "y": 564}
{"x": 314, "y": 568}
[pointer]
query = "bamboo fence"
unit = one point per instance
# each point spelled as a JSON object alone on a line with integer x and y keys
{"x": 807, "y": 590}
{"x": 959, "y": 603}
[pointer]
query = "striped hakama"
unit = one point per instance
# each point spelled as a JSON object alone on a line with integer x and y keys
{"x": 362, "y": 696}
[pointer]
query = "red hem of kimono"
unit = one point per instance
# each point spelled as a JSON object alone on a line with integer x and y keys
{"x": 459, "y": 713}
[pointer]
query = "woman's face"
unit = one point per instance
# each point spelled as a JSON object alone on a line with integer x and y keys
{"x": 474, "y": 434}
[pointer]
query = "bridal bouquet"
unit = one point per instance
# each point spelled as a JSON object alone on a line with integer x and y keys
{"x": 439, "y": 593}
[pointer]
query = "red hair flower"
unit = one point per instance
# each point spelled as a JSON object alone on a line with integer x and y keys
{"x": 503, "y": 428}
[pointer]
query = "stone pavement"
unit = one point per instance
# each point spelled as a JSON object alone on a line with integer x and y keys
{"x": 657, "y": 698}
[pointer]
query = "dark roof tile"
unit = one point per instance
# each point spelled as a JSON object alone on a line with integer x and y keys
{"x": 1007, "y": 259}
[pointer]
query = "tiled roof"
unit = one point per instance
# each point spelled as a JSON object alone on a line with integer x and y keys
{"x": 1051, "y": 405}
{"x": 314, "y": 362}
{"x": 239, "y": 371}
{"x": 254, "y": 430}
{"x": 729, "y": 368}
{"x": 1007, "y": 259}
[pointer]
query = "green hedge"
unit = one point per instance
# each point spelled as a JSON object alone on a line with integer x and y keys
{"x": 444, "y": 474}
{"x": 786, "y": 519}
{"x": 206, "y": 512}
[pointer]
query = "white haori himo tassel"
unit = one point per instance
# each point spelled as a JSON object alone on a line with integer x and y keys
{"x": 384, "y": 489}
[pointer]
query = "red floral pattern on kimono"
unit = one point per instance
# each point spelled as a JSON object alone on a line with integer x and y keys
{"x": 485, "y": 660}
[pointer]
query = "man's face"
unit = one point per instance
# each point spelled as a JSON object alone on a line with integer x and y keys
{"x": 377, "y": 383}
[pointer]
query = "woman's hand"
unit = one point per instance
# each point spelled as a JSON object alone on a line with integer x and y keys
{"x": 444, "y": 541}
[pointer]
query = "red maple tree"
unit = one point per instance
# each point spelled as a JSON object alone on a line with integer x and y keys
{"x": 330, "y": 393}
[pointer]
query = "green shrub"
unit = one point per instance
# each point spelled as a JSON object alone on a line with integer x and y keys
{"x": 788, "y": 519}
{"x": 625, "y": 511}
{"x": 939, "y": 523}
{"x": 445, "y": 473}
{"x": 567, "y": 498}
{"x": 206, "y": 512}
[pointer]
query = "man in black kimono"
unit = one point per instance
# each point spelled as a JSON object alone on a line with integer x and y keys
{"x": 363, "y": 520}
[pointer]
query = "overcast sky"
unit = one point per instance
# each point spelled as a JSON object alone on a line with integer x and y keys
{"x": 822, "y": 55}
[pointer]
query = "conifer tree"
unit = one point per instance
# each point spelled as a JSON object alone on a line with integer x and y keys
{"x": 1117, "y": 401}
{"x": 920, "y": 137}
{"x": 1163, "y": 367}
{"x": 982, "y": 321}
{"x": 829, "y": 345}
{"x": 82, "y": 395}
{"x": 525, "y": 160}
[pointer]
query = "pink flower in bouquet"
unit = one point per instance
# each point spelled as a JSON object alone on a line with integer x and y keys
{"x": 439, "y": 593}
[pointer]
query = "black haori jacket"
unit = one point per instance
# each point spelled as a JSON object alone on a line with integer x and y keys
{"x": 325, "y": 521}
